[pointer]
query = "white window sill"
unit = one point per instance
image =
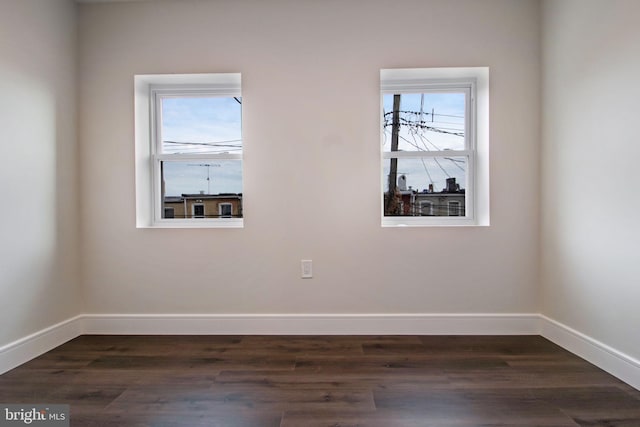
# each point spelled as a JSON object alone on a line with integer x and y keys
{"x": 197, "y": 223}
{"x": 421, "y": 221}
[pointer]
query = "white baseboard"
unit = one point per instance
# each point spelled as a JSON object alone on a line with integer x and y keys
{"x": 21, "y": 351}
{"x": 603, "y": 356}
{"x": 315, "y": 324}
{"x": 29, "y": 347}
{"x": 611, "y": 360}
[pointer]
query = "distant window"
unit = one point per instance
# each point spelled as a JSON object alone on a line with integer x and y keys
{"x": 429, "y": 144}
{"x": 454, "y": 209}
{"x": 426, "y": 208}
{"x": 169, "y": 212}
{"x": 194, "y": 146}
{"x": 225, "y": 210}
{"x": 198, "y": 210}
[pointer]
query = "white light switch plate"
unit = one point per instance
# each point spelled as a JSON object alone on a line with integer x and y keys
{"x": 307, "y": 268}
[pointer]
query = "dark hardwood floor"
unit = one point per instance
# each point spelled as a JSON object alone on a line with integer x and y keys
{"x": 302, "y": 381}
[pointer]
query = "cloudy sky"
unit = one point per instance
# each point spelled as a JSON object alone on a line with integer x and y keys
{"x": 429, "y": 122}
{"x": 204, "y": 125}
{"x": 212, "y": 125}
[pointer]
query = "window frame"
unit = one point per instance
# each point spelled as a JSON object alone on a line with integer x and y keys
{"x": 149, "y": 91}
{"x": 473, "y": 81}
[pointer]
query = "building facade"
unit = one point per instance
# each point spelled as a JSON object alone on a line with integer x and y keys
{"x": 225, "y": 205}
{"x": 408, "y": 202}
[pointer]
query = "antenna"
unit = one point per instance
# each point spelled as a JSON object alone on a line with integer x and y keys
{"x": 208, "y": 166}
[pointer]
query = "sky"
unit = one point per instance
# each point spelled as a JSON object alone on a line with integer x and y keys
{"x": 212, "y": 125}
{"x": 440, "y": 117}
{"x": 202, "y": 125}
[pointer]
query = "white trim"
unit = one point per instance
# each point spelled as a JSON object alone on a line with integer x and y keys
{"x": 425, "y": 154}
{"x": 147, "y": 90}
{"x": 313, "y": 324}
{"x": 418, "y": 221}
{"x": 200, "y": 223}
{"x": 24, "y": 349}
{"x": 615, "y": 362}
{"x": 619, "y": 364}
{"x": 204, "y": 158}
{"x": 474, "y": 82}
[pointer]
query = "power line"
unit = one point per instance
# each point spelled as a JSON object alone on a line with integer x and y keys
{"x": 211, "y": 144}
{"x": 438, "y": 148}
{"x": 426, "y": 114}
{"x": 417, "y": 125}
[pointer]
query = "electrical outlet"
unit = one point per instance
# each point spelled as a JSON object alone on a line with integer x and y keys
{"x": 307, "y": 268}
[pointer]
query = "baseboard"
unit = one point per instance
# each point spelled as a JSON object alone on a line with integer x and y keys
{"x": 21, "y": 351}
{"x": 315, "y": 324}
{"x": 605, "y": 357}
{"x": 29, "y": 347}
{"x": 609, "y": 359}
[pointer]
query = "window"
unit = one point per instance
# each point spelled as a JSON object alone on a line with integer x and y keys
{"x": 454, "y": 209}
{"x": 188, "y": 149}
{"x": 197, "y": 210}
{"x": 426, "y": 208}
{"x": 434, "y": 143}
{"x": 169, "y": 212}
{"x": 225, "y": 210}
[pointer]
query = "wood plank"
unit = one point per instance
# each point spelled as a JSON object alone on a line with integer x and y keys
{"x": 443, "y": 381}
{"x": 466, "y": 407}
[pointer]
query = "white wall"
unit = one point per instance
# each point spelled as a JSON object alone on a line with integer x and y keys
{"x": 38, "y": 175}
{"x": 310, "y": 73}
{"x": 590, "y": 171}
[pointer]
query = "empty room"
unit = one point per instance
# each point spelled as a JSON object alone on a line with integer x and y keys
{"x": 319, "y": 213}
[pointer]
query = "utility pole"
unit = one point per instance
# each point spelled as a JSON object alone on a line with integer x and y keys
{"x": 391, "y": 205}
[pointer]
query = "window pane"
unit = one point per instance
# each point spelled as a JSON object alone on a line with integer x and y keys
{"x": 195, "y": 125}
{"x": 455, "y": 208}
{"x": 225, "y": 210}
{"x": 196, "y": 189}
{"x": 427, "y": 121}
{"x": 425, "y": 186}
{"x": 198, "y": 210}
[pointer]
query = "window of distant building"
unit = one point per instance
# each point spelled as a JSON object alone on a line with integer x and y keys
{"x": 454, "y": 209}
{"x": 426, "y": 208}
{"x": 434, "y": 139}
{"x": 197, "y": 210}
{"x": 225, "y": 210}
{"x": 169, "y": 212}
{"x": 188, "y": 146}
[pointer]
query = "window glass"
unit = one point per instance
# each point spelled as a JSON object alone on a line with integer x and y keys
{"x": 199, "y": 124}
{"x": 421, "y": 134}
{"x": 198, "y": 210}
{"x": 428, "y": 174}
{"x": 199, "y": 154}
{"x": 201, "y": 177}
{"x": 225, "y": 210}
{"x": 188, "y": 150}
{"x": 427, "y": 121}
{"x": 434, "y": 146}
